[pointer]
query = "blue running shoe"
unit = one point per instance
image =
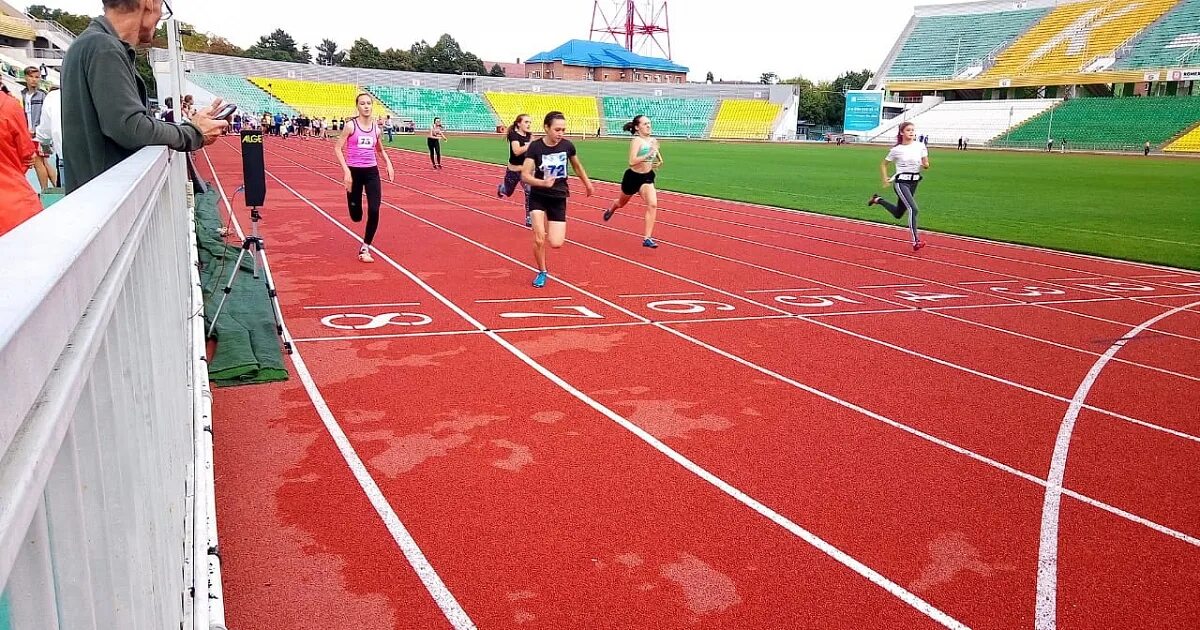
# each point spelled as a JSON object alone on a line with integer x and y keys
{"x": 539, "y": 280}
{"x": 650, "y": 243}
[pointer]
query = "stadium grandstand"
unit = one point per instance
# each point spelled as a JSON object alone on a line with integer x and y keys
{"x": 1101, "y": 74}
{"x": 478, "y": 104}
{"x": 26, "y": 41}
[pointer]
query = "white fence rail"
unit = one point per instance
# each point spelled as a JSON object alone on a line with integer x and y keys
{"x": 106, "y": 510}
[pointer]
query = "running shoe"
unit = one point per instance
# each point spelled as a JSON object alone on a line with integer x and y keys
{"x": 364, "y": 255}
{"x": 499, "y": 191}
{"x": 650, "y": 243}
{"x": 539, "y": 280}
{"x": 918, "y": 245}
{"x": 873, "y": 200}
{"x": 608, "y": 213}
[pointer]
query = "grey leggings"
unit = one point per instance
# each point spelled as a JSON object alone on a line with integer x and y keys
{"x": 906, "y": 193}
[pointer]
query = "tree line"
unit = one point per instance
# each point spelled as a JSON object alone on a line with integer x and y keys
{"x": 444, "y": 57}
{"x": 823, "y": 103}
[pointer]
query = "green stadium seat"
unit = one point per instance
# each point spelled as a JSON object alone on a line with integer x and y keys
{"x": 678, "y": 117}
{"x": 941, "y": 46}
{"x": 459, "y": 111}
{"x": 1173, "y": 42}
{"x": 1109, "y": 122}
{"x": 249, "y": 98}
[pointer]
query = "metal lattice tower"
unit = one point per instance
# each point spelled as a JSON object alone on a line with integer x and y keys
{"x": 641, "y": 30}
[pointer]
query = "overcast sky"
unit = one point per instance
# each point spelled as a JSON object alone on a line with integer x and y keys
{"x": 734, "y": 39}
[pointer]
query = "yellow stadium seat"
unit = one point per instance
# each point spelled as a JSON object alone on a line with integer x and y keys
{"x": 1073, "y": 35}
{"x": 582, "y": 113}
{"x": 744, "y": 118}
{"x": 1187, "y": 143}
{"x": 328, "y": 100}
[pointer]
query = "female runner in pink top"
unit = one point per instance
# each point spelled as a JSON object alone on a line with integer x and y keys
{"x": 358, "y": 150}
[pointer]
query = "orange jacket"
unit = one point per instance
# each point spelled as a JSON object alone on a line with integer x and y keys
{"x": 18, "y": 201}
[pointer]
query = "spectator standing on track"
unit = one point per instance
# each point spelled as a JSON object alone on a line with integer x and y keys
{"x": 105, "y": 107}
{"x": 437, "y": 133}
{"x": 910, "y": 158}
{"x": 1146, "y": 149}
{"x": 545, "y": 171}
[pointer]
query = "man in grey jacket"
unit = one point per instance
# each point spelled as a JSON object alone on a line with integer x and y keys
{"x": 105, "y": 108}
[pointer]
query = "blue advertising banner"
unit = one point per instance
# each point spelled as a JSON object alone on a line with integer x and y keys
{"x": 864, "y": 110}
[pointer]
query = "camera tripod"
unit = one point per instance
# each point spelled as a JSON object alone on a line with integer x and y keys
{"x": 253, "y": 246}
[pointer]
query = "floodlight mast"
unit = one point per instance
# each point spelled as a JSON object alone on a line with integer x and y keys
{"x": 639, "y": 30}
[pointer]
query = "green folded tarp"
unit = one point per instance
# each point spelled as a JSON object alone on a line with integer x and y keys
{"x": 248, "y": 346}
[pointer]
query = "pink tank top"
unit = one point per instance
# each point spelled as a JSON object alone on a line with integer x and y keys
{"x": 360, "y": 146}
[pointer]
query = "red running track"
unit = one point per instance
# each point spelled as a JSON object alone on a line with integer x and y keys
{"x": 775, "y": 420}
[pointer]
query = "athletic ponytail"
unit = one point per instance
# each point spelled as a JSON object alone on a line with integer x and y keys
{"x": 513, "y": 126}
{"x": 631, "y": 126}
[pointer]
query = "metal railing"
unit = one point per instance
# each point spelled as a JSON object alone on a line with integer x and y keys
{"x": 106, "y": 508}
{"x": 51, "y": 25}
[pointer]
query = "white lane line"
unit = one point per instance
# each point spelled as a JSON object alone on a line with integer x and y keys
{"x": 915, "y": 432}
{"x": 1048, "y": 305}
{"x": 1074, "y": 279}
{"x": 1001, "y": 379}
{"x": 872, "y": 225}
{"x": 882, "y": 310}
{"x": 1046, "y": 613}
{"x": 890, "y": 286}
{"x": 833, "y": 552}
{"x": 991, "y": 282}
{"x": 318, "y": 308}
{"x": 445, "y": 333}
{"x": 536, "y": 299}
{"x": 1159, "y": 275}
{"x": 646, "y": 295}
{"x": 441, "y": 595}
{"x": 784, "y": 290}
{"x": 1027, "y": 304}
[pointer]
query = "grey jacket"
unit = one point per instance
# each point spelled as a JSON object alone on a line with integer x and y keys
{"x": 105, "y": 110}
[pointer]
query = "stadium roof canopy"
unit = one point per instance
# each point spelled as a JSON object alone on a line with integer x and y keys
{"x": 579, "y": 52}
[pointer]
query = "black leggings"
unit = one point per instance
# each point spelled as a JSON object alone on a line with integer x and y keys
{"x": 906, "y": 193}
{"x": 435, "y": 148}
{"x": 365, "y": 177}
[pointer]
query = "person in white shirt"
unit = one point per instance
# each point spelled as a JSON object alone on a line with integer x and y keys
{"x": 49, "y": 130}
{"x": 910, "y": 158}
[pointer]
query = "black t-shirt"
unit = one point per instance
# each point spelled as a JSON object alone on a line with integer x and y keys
{"x": 515, "y": 136}
{"x": 551, "y": 162}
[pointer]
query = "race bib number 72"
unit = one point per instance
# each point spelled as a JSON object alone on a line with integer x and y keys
{"x": 554, "y": 165}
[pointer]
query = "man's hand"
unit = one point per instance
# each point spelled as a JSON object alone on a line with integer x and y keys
{"x": 210, "y": 128}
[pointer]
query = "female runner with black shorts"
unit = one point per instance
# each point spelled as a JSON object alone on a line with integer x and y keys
{"x": 644, "y": 160}
{"x": 545, "y": 172}
{"x": 519, "y": 138}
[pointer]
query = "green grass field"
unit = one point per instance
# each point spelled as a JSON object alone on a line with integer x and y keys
{"x": 1120, "y": 206}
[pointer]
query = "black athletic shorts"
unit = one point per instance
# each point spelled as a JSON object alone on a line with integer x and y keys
{"x": 632, "y": 182}
{"x": 554, "y": 207}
